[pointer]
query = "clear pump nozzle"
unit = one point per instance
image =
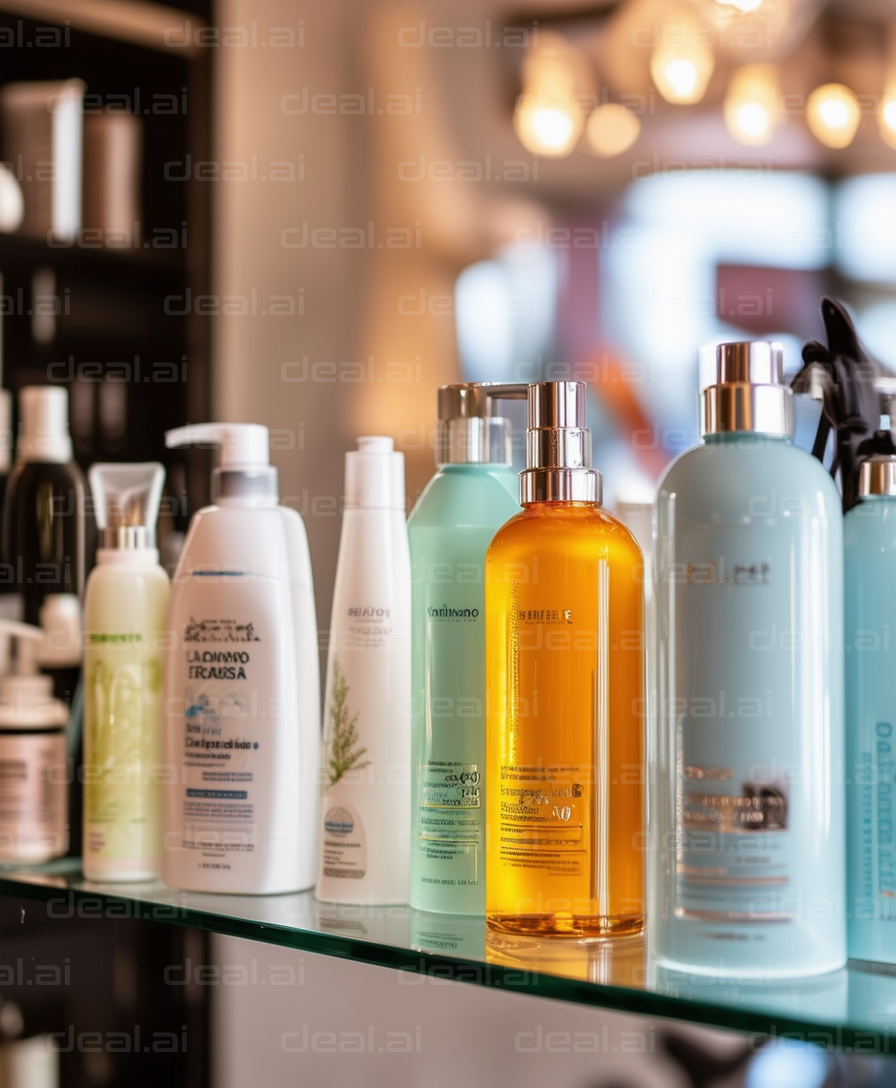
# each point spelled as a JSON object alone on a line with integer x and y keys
{"x": 245, "y": 471}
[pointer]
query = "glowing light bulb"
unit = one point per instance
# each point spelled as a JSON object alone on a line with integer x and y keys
{"x": 751, "y": 104}
{"x": 886, "y": 117}
{"x": 833, "y": 115}
{"x": 612, "y": 129}
{"x": 682, "y": 75}
{"x": 682, "y": 62}
{"x": 547, "y": 127}
{"x": 547, "y": 118}
{"x": 553, "y": 127}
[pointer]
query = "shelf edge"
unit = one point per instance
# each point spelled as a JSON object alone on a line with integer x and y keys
{"x": 472, "y": 972}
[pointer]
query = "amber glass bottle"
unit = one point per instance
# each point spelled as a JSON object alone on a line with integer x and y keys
{"x": 565, "y": 706}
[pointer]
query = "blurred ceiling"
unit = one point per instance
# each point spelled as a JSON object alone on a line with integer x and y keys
{"x": 610, "y": 47}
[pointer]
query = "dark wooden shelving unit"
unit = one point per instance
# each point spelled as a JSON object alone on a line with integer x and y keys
{"x": 120, "y": 304}
{"x": 135, "y": 360}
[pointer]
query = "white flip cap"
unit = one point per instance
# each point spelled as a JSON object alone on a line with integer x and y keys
{"x": 43, "y": 430}
{"x": 374, "y": 476}
{"x": 243, "y": 445}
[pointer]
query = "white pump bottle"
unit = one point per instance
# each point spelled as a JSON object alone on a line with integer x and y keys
{"x": 242, "y": 690}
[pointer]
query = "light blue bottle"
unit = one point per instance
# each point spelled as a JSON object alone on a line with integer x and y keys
{"x": 748, "y": 869}
{"x": 869, "y": 531}
{"x": 471, "y": 496}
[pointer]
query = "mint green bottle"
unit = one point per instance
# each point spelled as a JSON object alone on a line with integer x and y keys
{"x": 470, "y": 497}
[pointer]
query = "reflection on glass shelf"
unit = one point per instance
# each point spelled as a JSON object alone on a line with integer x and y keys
{"x": 855, "y": 1007}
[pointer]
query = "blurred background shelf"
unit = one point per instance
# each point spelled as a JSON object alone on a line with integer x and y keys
{"x": 120, "y": 295}
{"x": 853, "y": 1009}
{"x": 16, "y": 250}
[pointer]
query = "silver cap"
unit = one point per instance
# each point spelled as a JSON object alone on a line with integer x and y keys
{"x": 558, "y": 447}
{"x": 877, "y": 476}
{"x": 749, "y": 393}
{"x": 467, "y": 431}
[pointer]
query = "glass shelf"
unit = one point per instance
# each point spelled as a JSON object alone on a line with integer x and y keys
{"x": 852, "y": 1009}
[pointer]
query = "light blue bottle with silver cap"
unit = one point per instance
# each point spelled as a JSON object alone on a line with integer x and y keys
{"x": 870, "y": 648}
{"x": 748, "y": 872}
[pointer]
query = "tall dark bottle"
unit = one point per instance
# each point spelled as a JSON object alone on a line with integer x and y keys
{"x": 47, "y": 533}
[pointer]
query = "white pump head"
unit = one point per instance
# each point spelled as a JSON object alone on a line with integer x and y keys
{"x": 25, "y": 693}
{"x": 245, "y": 471}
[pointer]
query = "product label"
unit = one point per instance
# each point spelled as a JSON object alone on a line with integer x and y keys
{"x": 344, "y": 849}
{"x": 344, "y": 843}
{"x": 450, "y": 823}
{"x": 122, "y": 722}
{"x": 365, "y": 803}
{"x": 33, "y": 794}
{"x": 542, "y": 819}
{"x": 746, "y": 711}
{"x": 449, "y": 686}
{"x": 369, "y": 627}
{"x": 875, "y": 781}
{"x": 225, "y": 663}
{"x": 733, "y": 850}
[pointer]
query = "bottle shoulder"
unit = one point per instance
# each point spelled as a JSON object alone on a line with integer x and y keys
{"x": 565, "y": 531}
{"x": 269, "y": 540}
{"x": 871, "y": 525}
{"x": 62, "y": 473}
{"x": 726, "y": 476}
{"x": 120, "y": 575}
{"x": 480, "y": 496}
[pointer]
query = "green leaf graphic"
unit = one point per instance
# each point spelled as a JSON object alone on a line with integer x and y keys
{"x": 343, "y": 755}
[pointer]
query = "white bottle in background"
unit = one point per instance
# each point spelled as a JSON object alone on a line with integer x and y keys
{"x": 366, "y": 815}
{"x": 125, "y": 629}
{"x": 242, "y": 700}
{"x": 33, "y": 757}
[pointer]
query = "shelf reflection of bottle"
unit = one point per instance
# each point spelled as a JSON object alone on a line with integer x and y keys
{"x": 618, "y": 962}
{"x": 27, "y": 1058}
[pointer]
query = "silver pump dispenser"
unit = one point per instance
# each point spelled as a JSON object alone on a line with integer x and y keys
{"x": 749, "y": 394}
{"x": 877, "y": 474}
{"x": 558, "y": 447}
{"x": 468, "y": 432}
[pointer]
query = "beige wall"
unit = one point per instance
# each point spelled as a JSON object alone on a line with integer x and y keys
{"x": 377, "y": 362}
{"x": 253, "y": 378}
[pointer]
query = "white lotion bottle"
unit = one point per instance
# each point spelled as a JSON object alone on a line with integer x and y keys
{"x": 125, "y": 636}
{"x": 366, "y": 813}
{"x": 242, "y": 699}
